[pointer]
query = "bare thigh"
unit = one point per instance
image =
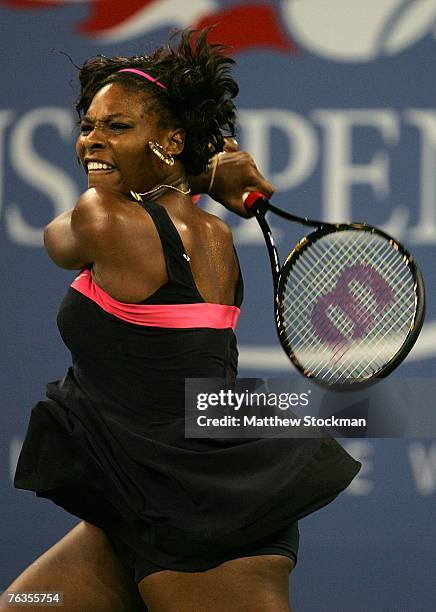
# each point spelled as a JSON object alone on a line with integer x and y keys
{"x": 247, "y": 584}
{"x": 85, "y": 568}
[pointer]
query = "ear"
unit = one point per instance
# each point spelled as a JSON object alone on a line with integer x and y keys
{"x": 175, "y": 141}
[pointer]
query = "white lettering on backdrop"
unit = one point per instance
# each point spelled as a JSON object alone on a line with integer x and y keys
{"x": 334, "y": 148}
{"x": 47, "y": 178}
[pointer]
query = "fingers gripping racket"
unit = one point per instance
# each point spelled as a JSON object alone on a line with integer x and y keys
{"x": 349, "y": 299}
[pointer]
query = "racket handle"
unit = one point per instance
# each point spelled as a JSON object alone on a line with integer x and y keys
{"x": 254, "y": 199}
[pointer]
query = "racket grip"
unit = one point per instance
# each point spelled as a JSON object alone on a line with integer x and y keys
{"x": 254, "y": 199}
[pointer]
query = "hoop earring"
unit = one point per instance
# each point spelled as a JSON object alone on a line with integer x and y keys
{"x": 160, "y": 152}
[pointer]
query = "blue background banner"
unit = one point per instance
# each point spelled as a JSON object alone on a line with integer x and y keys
{"x": 337, "y": 106}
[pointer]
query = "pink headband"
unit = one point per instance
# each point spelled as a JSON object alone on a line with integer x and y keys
{"x": 143, "y": 74}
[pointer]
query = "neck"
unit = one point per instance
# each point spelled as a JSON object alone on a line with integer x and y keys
{"x": 171, "y": 186}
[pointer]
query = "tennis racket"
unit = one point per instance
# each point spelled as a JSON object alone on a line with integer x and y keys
{"x": 349, "y": 300}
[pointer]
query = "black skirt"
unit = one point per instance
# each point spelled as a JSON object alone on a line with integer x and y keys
{"x": 182, "y": 504}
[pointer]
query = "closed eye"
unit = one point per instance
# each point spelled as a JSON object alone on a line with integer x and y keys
{"x": 115, "y": 127}
{"x": 118, "y": 126}
{"x": 84, "y": 127}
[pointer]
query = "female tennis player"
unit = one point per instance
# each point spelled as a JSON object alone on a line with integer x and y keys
{"x": 168, "y": 523}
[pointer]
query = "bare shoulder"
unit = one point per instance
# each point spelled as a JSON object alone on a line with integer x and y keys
{"x": 97, "y": 205}
{"x": 102, "y": 213}
{"x": 115, "y": 229}
{"x": 75, "y": 238}
{"x": 216, "y": 225}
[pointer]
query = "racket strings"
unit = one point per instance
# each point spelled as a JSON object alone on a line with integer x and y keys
{"x": 377, "y": 343}
{"x": 306, "y": 271}
{"x": 348, "y": 303}
{"x": 378, "y": 352}
{"x": 385, "y": 320}
{"x": 349, "y": 368}
{"x": 383, "y": 324}
{"x": 308, "y": 265}
{"x": 316, "y": 257}
{"x": 363, "y": 293}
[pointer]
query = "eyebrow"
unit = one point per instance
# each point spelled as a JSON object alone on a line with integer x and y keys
{"x": 108, "y": 117}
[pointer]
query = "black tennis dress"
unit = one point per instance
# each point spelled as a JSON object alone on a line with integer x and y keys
{"x": 108, "y": 442}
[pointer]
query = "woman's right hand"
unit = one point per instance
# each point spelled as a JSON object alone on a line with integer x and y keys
{"x": 236, "y": 173}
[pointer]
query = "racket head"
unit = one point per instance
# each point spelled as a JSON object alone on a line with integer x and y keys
{"x": 349, "y": 305}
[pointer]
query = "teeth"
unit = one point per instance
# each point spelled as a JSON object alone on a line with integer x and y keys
{"x": 98, "y": 166}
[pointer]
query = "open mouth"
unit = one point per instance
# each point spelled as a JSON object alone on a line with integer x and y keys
{"x": 95, "y": 166}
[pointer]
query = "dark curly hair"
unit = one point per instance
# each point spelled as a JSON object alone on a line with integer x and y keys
{"x": 198, "y": 94}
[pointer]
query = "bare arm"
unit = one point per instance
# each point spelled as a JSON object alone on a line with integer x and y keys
{"x": 74, "y": 238}
{"x": 61, "y": 243}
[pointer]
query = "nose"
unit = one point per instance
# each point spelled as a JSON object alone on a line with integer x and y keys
{"x": 95, "y": 138}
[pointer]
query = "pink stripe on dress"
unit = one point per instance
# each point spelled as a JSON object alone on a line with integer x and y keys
{"x": 202, "y": 314}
